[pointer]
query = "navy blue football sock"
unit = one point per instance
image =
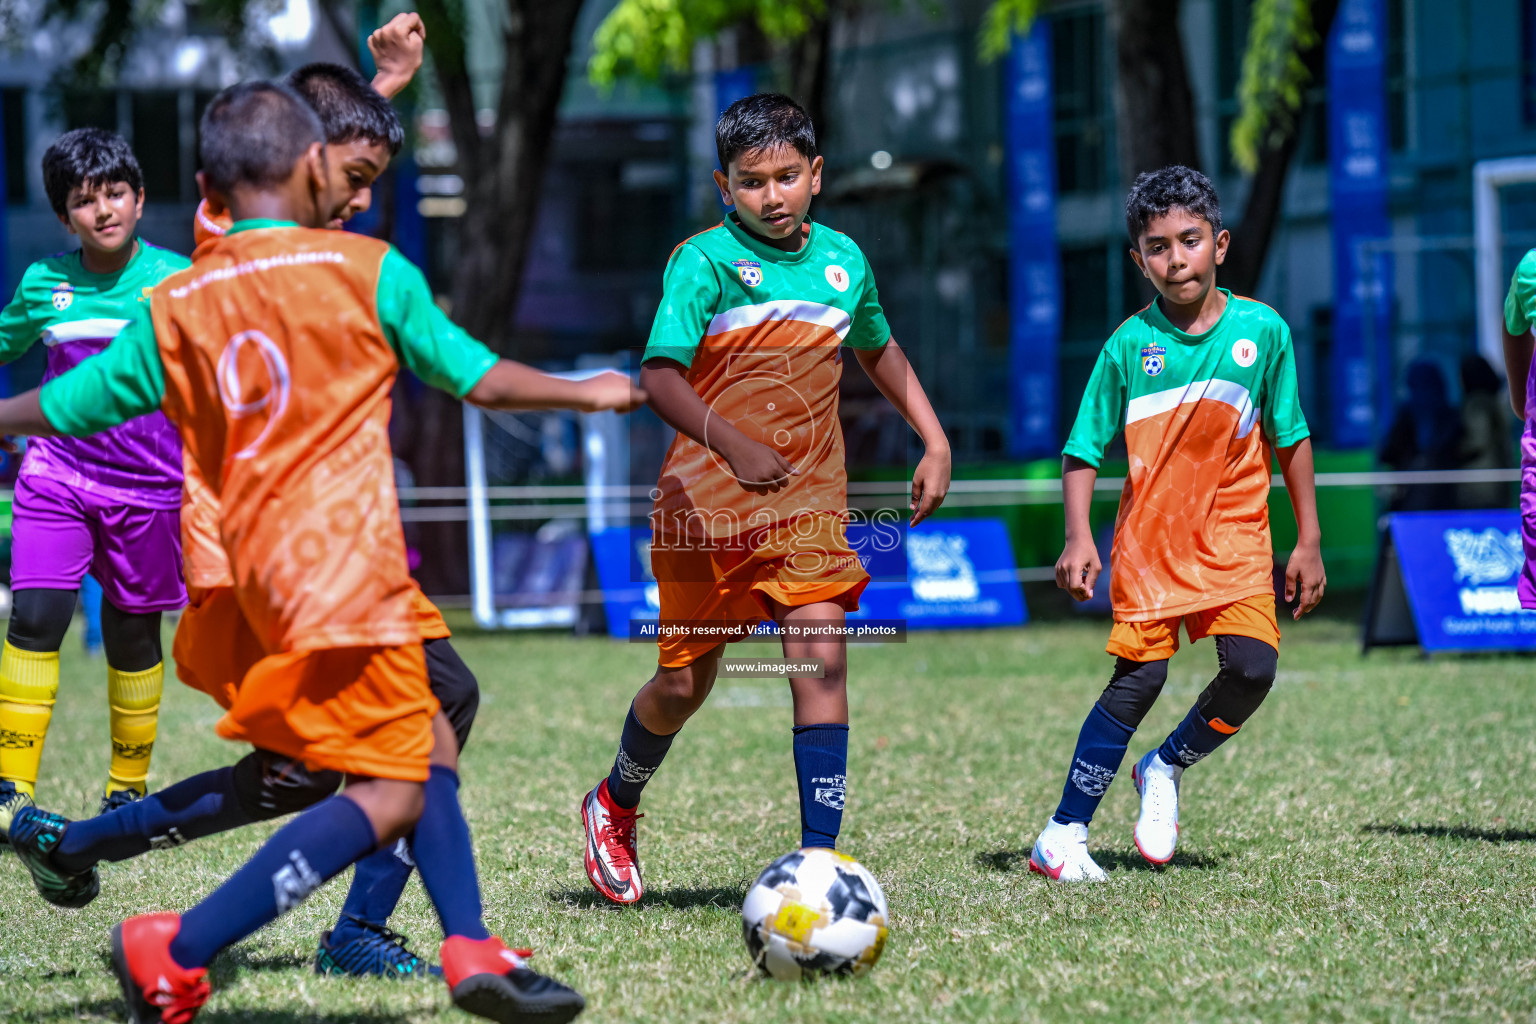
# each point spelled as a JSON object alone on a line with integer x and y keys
{"x": 640, "y": 754}
{"x": 193, "y": 808}
{"x": 315, "y": 846}
{"x": 1100, "y": 749}
{"x": 377, "y": 882}
{"x": 1191, "y": 740}
{"x": 821, "y": 768}
{"x": 447, "y": 860}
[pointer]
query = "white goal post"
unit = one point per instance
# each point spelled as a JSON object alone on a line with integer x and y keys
{"x": 1488, "y": 177}
{"x": 604, "y": 500}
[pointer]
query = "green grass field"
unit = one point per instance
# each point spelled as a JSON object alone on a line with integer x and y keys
{"x": 1364, "y": 850}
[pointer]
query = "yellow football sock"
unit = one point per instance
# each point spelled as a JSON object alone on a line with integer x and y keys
{"x": 29, "y": 683}
{"x": 135, "y": 701}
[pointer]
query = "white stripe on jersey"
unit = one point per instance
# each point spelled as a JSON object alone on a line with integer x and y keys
{"x": 839, "y": 321}
{"x": 102, "y": 329}
{"x": 1224, "y": 391}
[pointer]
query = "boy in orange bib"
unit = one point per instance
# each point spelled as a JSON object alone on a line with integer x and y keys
{"x": 274, "y": 355}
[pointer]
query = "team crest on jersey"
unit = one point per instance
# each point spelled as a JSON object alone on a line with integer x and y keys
{"x": 750, "y": 272}
{"x": 63, "y": 295}
{"x": 1244, "y": 352}
{"x": 145, "y": 291}
{"x": 837, "y": 277}
{"x": 1153, "y": 359}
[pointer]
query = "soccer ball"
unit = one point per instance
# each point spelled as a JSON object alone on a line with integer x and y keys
{"x": 815, "y": 911}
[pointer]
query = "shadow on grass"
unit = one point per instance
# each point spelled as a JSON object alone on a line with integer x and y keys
{"x": 720, "y": 897}
{"x": 1482, "y": 835}
{"x": 1110, "y": 860}
{"x": 116, "y": 1009}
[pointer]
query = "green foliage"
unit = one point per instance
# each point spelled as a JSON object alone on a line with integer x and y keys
{"x": 1002, "y": 20}
{"x": 1274, "y": 79}
{"x": 643, "y": 38}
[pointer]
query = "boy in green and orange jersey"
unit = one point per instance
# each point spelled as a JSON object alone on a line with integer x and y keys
{"x": 275, "y": 355}
{"x": 1203, "y": 383}
{"x": 744, "y": 361}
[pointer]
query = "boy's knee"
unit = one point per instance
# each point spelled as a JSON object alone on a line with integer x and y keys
{"x": 683, "y": 689}
{"x": 1133, "y": 689}
{"x": 1248, "y": 669}
{"x": 270, "y": 785}
{"x": 40, "y": 618}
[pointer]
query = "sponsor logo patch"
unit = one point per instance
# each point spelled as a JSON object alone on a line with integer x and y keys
{"x": 750, "y": 272}
{"x": 837, "y": 277}
{"x": 1153, "y": 359}
{"x": 63, "y": 296}
{"x": 1244, "y": 352}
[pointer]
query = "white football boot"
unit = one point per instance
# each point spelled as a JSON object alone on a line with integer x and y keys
{"x": 1157, "y": 828}
{"x": 1061, "y": 854}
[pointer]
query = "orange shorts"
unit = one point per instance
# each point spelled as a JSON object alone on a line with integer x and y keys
{"x": 215, "y": 647}
{"x": 1158, "y": 639}
{"x": 730, "y": 588}
{"x": 359, "y": 710}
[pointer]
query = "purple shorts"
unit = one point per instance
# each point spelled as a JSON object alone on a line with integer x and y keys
{"x": 59, "y": 534}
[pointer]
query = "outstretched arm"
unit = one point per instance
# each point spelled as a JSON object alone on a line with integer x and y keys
{"x": 509, "y": 386}
{"x": 888, "y": 367}
{"x": 1078, "y": 568}
{"x": 1304, "y": 575}
{"x": 396, "y": 49}
{"x": 757, "y": 467}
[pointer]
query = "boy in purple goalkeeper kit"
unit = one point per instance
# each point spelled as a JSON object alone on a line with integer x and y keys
{"x": 109, "y": 504}
{"x": 1519, "y": 315}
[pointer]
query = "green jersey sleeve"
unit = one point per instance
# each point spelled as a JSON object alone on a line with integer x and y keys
{"x": 123, "y": 381}
{"x": 690, "y": 291}
{"x": 425, "y": 341}
{"x": 869, "y": 328}
{"x": 18, "y": 329}
{"x": 1102, "y": 410}
{"x": 1280, "y": 405}
{"x": 1520, "y": 303}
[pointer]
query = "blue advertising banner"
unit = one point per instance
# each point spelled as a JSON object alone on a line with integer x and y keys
{"x": 1034, "y": 263}
{"x": 946, "y": 574}
{"x": 1446, "y": 581}
{"x": 1357, "y": 180}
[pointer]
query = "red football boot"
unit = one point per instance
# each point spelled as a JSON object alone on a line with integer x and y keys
{"x": 157, "y": 988}
{"x": 613, "y": 862}
{"x": 491, "y": 981}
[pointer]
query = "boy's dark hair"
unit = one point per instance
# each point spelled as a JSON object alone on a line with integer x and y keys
{"x": 763, "y": 121}
{"x": 254, "y": 132}
{"x": 1154, "y": 193}
{"x": 348, "y": 106}
{"x": 88, "y": 156}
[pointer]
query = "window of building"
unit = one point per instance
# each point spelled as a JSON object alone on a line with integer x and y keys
{"x": 1081, "y": 100}
{"x": 156, "y": 118}
{"x": 13, "y": 111}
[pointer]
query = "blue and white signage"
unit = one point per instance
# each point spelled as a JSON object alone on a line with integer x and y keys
{"x": 1357, "y": 179}
{"x": 946, "y": 574}
{"x": 1034, "y": 263}
{"x": 1458, "y": 573}
{"x": 960, "y": 573}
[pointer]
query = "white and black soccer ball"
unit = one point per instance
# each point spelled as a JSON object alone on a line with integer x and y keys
{"x": 812, "y": 912}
